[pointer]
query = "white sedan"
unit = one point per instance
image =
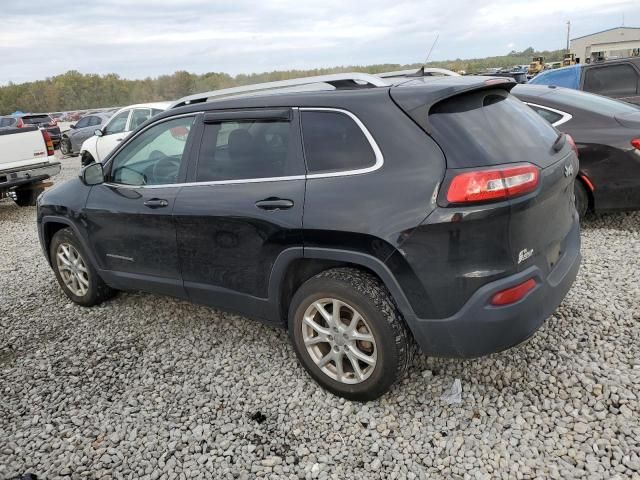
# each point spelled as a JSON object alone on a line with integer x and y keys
{"x": 124, "y": 121}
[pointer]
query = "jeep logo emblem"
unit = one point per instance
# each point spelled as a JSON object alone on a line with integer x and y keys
{"x": 568, "y": 170}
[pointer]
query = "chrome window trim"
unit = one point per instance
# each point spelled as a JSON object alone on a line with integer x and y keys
{"x": 565, "y": 116}
{"x": 341, "y": 173}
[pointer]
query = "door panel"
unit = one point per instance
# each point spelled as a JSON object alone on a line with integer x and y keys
{"x": 135, "y": 242}
{"x": 129, "y": 219}
{"x": 226, "y": 242}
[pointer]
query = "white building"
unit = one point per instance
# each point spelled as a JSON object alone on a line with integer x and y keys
{"x": 616, "y": 42}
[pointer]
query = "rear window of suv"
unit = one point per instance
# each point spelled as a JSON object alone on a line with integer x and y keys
{"x": 37, "y": 119}
{"x": 490, "y": 128}
{"x": 333, "y": 141}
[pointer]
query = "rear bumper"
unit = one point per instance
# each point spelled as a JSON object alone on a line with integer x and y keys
{"x": 17, "y": 177}
{"x": 480, "y": 328}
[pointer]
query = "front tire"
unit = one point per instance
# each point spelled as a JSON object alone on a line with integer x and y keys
{"x": 65, "y": 147}
{"x": 75, "y": 274}
{"x": 348, "y": 334}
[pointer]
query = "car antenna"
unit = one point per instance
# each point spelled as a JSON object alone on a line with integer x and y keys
{"x": 431, "y": 49}
{"x": 420, "y": 72}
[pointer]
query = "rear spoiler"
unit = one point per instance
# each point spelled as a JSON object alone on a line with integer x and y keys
{"x": 417, "y": 97}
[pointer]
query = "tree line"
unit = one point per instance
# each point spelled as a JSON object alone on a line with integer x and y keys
{"x": 77, "y": 91}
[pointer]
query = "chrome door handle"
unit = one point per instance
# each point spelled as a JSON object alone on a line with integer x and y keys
{"x": 156, "y": 203}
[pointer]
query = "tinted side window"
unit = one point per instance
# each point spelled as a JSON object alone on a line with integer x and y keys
{"x": 614, "y": 80}
{"x": 84, "y": 122}
{"x": 548, "y": 115}
{"x": 237, "y": 150}
{"x": 95, "y": 121}
{"x": 117, "y": 123}
{"x": 154, "y": 157}
{"x": 334, "y": 142}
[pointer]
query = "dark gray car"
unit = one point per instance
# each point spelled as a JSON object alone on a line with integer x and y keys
{"x": 73, "y": 138}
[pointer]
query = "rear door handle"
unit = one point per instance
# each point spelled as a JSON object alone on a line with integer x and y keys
{"x": 273, "y": 203}
{"x": 156, "y": 203}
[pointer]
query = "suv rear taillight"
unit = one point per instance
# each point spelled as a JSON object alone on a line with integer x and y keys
{"x": 635, "y": 143}
{"x": 48, "y": 142}
{"x": 493, "y": 184}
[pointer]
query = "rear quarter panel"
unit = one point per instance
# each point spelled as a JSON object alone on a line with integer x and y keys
{"x": 376, "y": 212}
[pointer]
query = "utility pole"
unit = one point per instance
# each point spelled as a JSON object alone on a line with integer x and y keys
{"x": 568, "y": 34}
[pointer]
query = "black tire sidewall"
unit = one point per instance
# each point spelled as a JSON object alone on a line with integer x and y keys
{"x": 582, "y": 199}
{"x": 65, "y": 146}
{"x": 386, "y": 369}
{"x": 92, "y": 296}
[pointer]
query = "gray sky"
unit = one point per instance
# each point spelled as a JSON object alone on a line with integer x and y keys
{"x": 151, "y": 37}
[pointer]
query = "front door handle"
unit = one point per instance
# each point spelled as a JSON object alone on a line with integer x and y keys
{"x": 273, "y": 203}
{"x": 156, "y": 203}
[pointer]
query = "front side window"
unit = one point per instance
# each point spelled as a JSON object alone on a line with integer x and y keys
{"x": 240, "y": 150}
{"x": 614, "y": 80}
{"x": 117, "y": 123}
{"x": 334, "y": 142}
{"x": 154, "y": 157}
{"x": 84, "y": 122}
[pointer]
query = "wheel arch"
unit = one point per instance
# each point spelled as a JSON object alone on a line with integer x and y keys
{"x": 293, "y": 268}
{"x": 52, "y": 225}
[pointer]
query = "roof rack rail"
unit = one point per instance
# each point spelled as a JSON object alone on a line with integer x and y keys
{"x": 337, "y": 80}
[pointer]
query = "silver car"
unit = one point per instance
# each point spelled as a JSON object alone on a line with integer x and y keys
{"x": 73, "y": 138}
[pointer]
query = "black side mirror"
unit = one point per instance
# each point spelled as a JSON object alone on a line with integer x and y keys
{"x": 73, "y": 125}
{"x": 92, "y": 174}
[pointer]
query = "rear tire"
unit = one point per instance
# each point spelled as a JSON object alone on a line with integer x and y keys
{"x": 75, "y": 274}
{"x": 358, "y": 369}
{"x": 582, "y": 198}
{"x": 27, "y": 197}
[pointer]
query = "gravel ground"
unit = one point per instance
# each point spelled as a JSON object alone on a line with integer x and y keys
{"x": 151, "y": 387}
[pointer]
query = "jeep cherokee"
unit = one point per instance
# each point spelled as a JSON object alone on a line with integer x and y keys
{"x": 362, "y": 219}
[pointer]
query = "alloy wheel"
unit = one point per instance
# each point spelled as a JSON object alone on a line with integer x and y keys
{"x": 73, "y": 269}
{"x": 339, "y": 340}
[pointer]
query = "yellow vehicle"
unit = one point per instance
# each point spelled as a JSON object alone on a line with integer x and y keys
{"x": 536, "y": 66}
{"x": 569, "y": 59}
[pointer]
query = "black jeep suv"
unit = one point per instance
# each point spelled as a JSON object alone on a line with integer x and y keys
{"x": 362, "y": 219}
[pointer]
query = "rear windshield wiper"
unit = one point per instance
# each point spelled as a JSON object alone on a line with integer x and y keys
{"x": 560, "y": 141}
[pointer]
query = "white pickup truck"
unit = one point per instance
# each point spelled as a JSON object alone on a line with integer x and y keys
{"x": 27, "y": 160}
